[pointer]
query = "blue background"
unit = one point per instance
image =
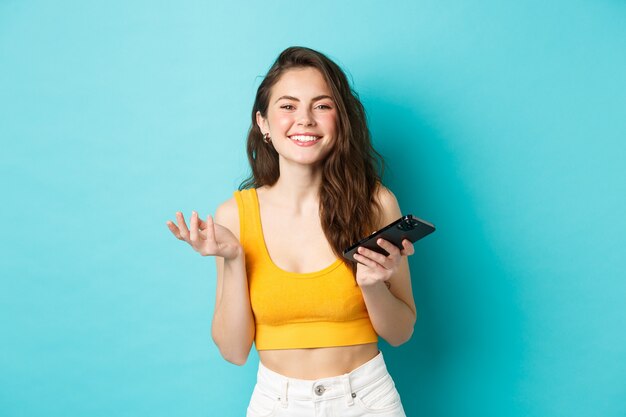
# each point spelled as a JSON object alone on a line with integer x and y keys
{"x": 502, "y": 122}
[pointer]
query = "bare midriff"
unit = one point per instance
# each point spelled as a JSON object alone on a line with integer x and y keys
{"x": 317, "y": 363}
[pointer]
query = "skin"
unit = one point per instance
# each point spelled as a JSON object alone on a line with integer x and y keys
{"x": 298, "y": 104}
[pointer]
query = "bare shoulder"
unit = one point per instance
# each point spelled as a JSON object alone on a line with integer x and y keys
{"x": 227, "y": 215}
{"x": 384, "y": 196}
{"x": 390, "y": 209}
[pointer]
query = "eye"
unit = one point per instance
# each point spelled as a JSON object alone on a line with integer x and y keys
{"x": 287, "y": 107}
{"x": 324, "y": 107}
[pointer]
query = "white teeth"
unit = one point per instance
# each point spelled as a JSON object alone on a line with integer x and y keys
{"x": 303, "y": 138}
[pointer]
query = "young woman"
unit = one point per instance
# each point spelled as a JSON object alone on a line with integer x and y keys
{"x": 281, "y": 281}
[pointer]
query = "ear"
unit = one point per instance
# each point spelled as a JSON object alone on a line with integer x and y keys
{"x": 262, "y": 123}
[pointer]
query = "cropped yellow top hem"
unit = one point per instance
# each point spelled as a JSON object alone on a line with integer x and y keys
{"x": 299, "y": 310}
{"x": 315, "y": 334}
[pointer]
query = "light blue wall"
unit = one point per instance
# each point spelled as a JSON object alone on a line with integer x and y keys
{"x": 503, "y": 122}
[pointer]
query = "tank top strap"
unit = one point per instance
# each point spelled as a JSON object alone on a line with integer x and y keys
{"x": 249, "y": 227}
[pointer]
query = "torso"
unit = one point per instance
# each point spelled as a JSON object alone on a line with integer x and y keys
{"x": 319, "y": 362}
{"x": 296, "y": 243}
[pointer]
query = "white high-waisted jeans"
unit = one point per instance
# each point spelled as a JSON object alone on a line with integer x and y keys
{"x": 366, "y": 391}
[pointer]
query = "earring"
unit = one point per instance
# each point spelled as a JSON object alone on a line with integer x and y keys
{"x": 266, "y": 138}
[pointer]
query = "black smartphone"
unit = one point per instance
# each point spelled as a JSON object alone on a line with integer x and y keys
{"x": 406, "y": 227}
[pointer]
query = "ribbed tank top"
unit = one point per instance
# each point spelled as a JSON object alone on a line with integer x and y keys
{"x": 293, "y": 310}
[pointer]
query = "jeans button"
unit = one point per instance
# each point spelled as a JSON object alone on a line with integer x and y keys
{"x": 319, "y": 390}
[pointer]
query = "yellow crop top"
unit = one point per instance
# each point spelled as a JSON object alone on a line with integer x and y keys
{"x": 292, "y": 310}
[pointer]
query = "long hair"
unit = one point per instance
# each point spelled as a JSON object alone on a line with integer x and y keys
{"x": 351, "y": 173}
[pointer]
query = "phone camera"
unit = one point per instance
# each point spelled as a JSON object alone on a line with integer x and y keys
{"x": 407, "y": 225}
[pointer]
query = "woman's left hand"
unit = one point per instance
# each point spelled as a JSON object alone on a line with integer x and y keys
{"x": 374, "y": 268}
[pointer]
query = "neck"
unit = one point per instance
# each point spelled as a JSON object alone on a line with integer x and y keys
{"x": 298, "y": 186}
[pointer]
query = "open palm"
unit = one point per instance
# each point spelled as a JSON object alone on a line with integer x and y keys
{"x": 205, "y": 237}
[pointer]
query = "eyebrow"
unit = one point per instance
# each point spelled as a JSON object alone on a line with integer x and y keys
{"x": 296, "y": 99}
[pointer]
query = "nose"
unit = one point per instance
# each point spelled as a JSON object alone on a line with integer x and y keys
{"x": 305, "y": 118}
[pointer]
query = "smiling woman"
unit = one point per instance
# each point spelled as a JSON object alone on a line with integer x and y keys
{"x": 302, "y": 111}
{"x": 282, "y": 283}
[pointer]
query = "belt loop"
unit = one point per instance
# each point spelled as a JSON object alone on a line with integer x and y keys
{"x": 348, "y": 390}
{"x": 283, "y": 397}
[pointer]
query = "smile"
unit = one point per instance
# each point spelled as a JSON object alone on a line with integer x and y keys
{"x": 305, "y": 141}
{"x": 304, "y": 138}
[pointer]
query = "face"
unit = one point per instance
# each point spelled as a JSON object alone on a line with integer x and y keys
{"x": 301, "y": 117}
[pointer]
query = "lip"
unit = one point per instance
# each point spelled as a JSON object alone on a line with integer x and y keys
{"x": 305, "y": 144}
{"x": 305, "y": 134}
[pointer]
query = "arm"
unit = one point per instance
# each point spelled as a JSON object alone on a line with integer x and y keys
{"x": 391, "y": 307}
{"x": 233, "y": 324}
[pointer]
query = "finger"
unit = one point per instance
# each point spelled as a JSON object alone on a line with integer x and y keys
{"x": 182, "y": 226}
{"x": 201, "y": 228}
{"x": 193, "y": 227}
{"x": 210, "y": 229}
{"x": 366, "y": 261}
{"x": 173, "y": 229}
{"x": 408, "y": 248}
{"x": 392, "y": 249}
{"x": 376, "y": 257}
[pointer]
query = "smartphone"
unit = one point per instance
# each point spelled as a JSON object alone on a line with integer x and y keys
{"x": 406, "y": 227}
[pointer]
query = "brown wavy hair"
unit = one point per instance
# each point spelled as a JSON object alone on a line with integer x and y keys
{"x": 351, "y": 173}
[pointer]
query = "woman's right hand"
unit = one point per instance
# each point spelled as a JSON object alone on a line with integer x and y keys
{"x": 206, "y": 238}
